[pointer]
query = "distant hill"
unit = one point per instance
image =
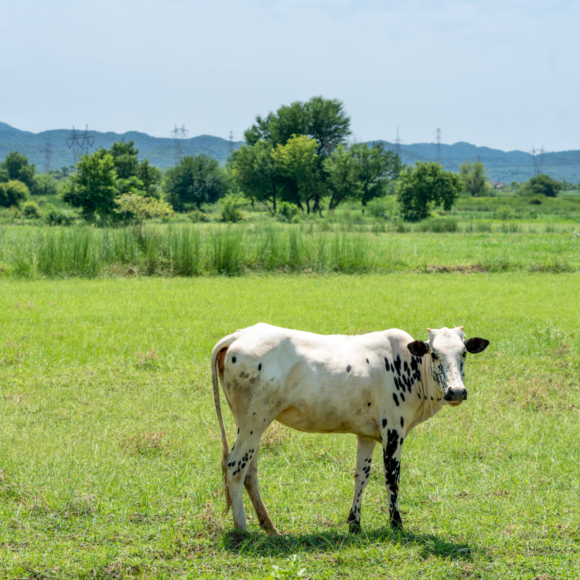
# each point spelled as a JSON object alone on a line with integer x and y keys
{"x": 160, "y": 151}
{"x": 506, "y": 166}
{"x": 501, "y": 165}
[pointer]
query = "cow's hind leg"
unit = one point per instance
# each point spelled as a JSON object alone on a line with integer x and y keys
{"x": 251, "y": 484}
{"x": 238, "y": 463}
{"x": 364, "y": 458}
{"x": 392, "y": 451}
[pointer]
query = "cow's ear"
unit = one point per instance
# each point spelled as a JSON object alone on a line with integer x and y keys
{"x": 476, "y": 345}
{"x": 418, "y": 348}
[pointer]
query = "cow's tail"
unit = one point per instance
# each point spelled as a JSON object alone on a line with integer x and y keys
{"x": 217, "y": 357}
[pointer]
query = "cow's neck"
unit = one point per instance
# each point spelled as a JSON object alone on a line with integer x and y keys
{"x": 431, "y": 400}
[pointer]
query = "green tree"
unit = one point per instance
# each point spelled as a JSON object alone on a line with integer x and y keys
{"x": 254, "y": 171}
{"x": 93, "y": 186}
{"x": 12, "y": 193}
{"x": 150, "y": 177}
{"x": 297, "y": 161}
{"x": 424, "y": 187}
{"x": 542, "y": 185}
{"x": 342, "y": 176}
{"x": 323, "y": 120}
{"x": 195, "y": 180}
{"x": 44, "y": 184}
{"x": 125, "y": 159}
{"x": 376, "y": 167}
{"x": 474, "y": 178}
{"x": 17, "y": 167}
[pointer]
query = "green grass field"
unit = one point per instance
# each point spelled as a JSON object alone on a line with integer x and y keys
{"x": 109, "y": 443}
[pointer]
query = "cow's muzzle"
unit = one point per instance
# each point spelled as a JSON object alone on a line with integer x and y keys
{"x": 455, "y": 396}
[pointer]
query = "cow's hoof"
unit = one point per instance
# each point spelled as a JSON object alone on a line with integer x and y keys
{"x": 354, "y": 527}
{"x": 272, "y": 532}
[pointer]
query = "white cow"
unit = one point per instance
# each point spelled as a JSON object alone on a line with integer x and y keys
{"x": 377, "y": 386}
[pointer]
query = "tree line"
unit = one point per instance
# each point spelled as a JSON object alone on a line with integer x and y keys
{"x": 295, "y": 159}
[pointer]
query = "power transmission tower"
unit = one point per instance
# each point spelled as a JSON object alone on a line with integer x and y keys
{"x": 438, "y": 145}
{"x": 79, "y": 143}
{"x": 231, "y": 142}
{"x": 48, "y": 155}
{"x": 179, "y": 134}
{"x": 398, "y": 143}
{"x": 537, "y": 159}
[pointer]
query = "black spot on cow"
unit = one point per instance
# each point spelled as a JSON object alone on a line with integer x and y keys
{"x": 253, "y": 413}
{"x": 402, "y": 422}
{"x": 251, "y": 432}
{"x": 260, "y": 367}
{"x": 368, "y": 404}
{"x": 398, "y": 364}
{"x": 402, "y": 397}
{"x": 401, "y": 441}
{"x": 387, "y": 365}
{"x": 243, "y": 465}
{"x": 392, "y": 473}
{"x": 233, "y": 359}
{"x": 384, "y": 423}
{"x": 406, "y": 367}
{"x": 396, "y": 399}
{"x": 414, "y": 364}
{"x": 431, "y": 398}
{"x": 348, "y": 368}
{"x": 238, "y": 430}
{"x": 397, "y": 385}
{"x": 367, "y": 360}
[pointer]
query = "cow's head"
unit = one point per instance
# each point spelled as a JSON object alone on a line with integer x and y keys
{"x": 447, "y": 350}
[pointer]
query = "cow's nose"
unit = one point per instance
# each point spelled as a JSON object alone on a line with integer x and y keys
{"x": 456, "y": 394}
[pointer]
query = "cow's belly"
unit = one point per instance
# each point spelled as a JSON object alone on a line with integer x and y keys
{"x": 335, "y": 408}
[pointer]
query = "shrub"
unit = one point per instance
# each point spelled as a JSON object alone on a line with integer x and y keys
{"x": 198, "y": 216}
{"x": 55, "y": 217}
{"x": 504, "y": 212}
{"x": 439, "y": 225}
{"x": 287, "y": 211}
{"x": 535, "y": 200}
{"x": 232, "y": 205}
{"x": 31, "y": 210}
{"x": 381, "y": 207}
{"x": 542, "y": 185}
{"x": 12, "y": 193}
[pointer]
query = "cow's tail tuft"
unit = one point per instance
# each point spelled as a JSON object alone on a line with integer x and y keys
{"x": 216, "y": 355}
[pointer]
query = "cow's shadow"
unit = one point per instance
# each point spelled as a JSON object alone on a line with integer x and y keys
{"x": 257, "y": 544}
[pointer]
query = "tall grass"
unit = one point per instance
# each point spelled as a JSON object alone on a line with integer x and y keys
{"x": 231, "y": 250}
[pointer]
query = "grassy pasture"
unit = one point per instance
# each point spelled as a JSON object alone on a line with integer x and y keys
{"x": 109, "y": 444}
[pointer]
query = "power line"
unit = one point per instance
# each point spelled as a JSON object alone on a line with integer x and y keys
{"x": 398, "y": 143}
{"x": 537, "y": 159}
{"x": 48, "y": 155}
{"x": 179, "y": 134}
{"x": 79, "y": 143}
{"x": 438, "y": 145}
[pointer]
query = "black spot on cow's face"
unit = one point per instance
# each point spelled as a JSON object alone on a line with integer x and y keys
{"x": 348, "y": 368}
{"x": 233, "y": 359}
{"x": 260, "y": 367}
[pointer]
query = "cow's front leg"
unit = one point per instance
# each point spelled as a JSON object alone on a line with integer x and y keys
{"x": 364, "y": 458}
{"x": 392, "y": 451}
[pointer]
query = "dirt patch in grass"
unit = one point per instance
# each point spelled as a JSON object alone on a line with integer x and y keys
{"x": 145, "y": 444}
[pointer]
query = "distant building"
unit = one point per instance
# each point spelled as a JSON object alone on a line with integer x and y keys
{"x": 498, "y": 184}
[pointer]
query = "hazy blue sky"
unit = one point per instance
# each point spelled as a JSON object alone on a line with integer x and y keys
{"x": 503, "y": 74}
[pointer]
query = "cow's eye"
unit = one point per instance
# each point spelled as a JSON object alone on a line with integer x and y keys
{"x": 434, "y": 356}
